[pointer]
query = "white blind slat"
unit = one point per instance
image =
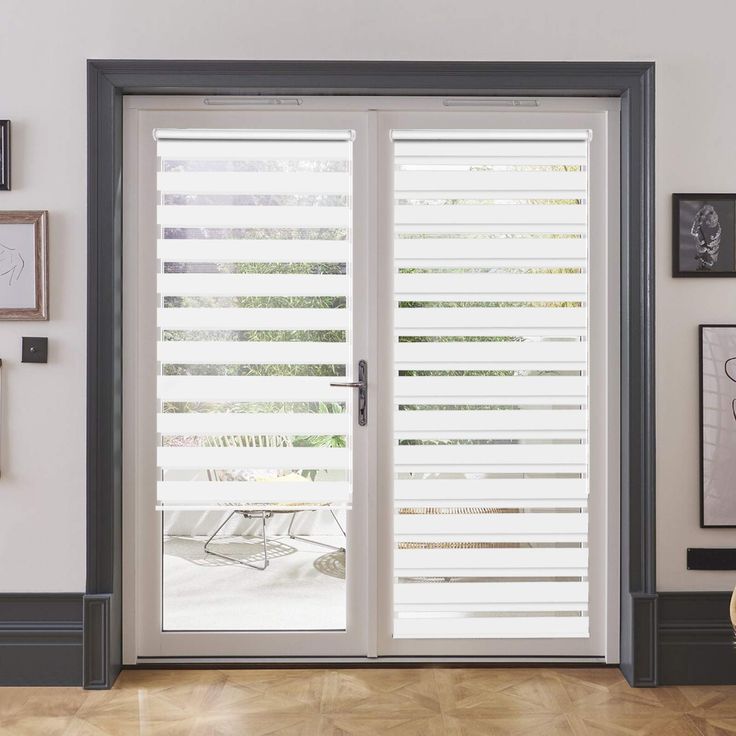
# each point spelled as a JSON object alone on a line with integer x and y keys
{"x": 228, "y": 216}
{"x": 492, "y": 489}
{"x": 474, "y": 389}
{"x": 475, "y": 149}
{"x": 263, "y": 318}
{"x": 480, "y": 454}
{"x": 247, "y": 388}
{"x": 254, "y": 251}
{"x": 500, "y": 592}
{"x": 194, "y": 494}
{"x": 252, "y": 457}
{"x": 533, "y": 627}
{"x": 472, "y": 182}
{"x": 457, "y": 215}
{"x": 255, "y": 423}
{"x": 491, "y": 559}
{"x": 530, "y": 322}
{"x": 554, "y": 527}
{"x": 253, "y": 150}
{"x": 217, "y": 284}
{"x": 479, "y": 424}
{"x": 491, "y": 355}
{"x": 479, "y": 287}
{"x": 260, "y": 182}
{"x": 249, "y": 353}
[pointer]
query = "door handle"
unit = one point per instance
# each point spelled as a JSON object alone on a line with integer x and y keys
{"x": 362, "y": 385}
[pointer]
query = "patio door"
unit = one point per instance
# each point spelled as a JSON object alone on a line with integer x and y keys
{"x": 248, "y": 306}
{"x": 370, "y": 380}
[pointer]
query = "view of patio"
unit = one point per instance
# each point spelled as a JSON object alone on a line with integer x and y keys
{"x": 302, "y": 588}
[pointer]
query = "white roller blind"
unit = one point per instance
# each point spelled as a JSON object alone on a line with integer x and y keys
{"x": 254, "y": 247}
{"x": 490, "y": 388}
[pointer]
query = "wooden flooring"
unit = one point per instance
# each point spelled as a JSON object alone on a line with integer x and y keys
{"x": 369, "y": 702}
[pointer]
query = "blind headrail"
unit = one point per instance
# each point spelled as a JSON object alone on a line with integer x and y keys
{"x": 510, "y": 136}
{"x": 230, "y": 135}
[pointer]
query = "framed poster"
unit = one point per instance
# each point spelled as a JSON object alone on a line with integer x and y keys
{"x": 718, "y": 425}
{"x": 23, "y": 266}
{"x": 704, "y": 235}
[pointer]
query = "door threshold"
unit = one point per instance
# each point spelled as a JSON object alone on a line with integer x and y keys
{"x": 255, "y": 662}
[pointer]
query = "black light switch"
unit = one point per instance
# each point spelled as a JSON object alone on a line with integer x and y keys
{"x": 35, "y": 350}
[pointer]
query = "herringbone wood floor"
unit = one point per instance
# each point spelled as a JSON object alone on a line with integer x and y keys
{"x": 410, "y": 702}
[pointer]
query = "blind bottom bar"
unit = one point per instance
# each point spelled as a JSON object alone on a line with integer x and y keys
{"x": 550, "y": 627}
{"x": 254, "y": 508}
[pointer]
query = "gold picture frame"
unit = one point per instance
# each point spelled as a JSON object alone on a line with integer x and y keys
{"x": 24, "y": 265}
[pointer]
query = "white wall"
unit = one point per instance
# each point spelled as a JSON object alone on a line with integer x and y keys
{"x": 43, "y": 47}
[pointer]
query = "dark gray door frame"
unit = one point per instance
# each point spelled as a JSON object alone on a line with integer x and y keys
{"x": 109, "y": 81}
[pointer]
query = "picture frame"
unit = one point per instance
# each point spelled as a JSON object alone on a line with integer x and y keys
{"x": 5, "y": 155}
{"x": 717, "y": 371}
{"x": 704, "y": 235}
{"x": 24, "y": 265}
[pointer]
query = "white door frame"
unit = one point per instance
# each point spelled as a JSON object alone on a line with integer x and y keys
{"x": 143, "y": 580}
{"x": 604, "y": 403}
{"x": 370, "y": 608}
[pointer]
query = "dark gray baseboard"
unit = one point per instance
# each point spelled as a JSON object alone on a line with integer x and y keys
{"x": 41, "y": 639}
{"x": 696, "y": 640}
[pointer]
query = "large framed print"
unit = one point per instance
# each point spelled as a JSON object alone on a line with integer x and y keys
{"x": 718, "y": 425}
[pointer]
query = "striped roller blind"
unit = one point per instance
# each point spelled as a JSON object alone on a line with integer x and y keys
{"x": 490, "y": 384}
{"x": 254, "y": 319}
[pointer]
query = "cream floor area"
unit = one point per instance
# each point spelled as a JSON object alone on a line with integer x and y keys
{"x": 205, "y": 592}
{"x": 369, "y": 702}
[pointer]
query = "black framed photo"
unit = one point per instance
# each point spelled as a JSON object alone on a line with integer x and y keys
{"x": 5, "y": 155}
{"x": 717, "y": 425}
{"x": 704, "y": 234}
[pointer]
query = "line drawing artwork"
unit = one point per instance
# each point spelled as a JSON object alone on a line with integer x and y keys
{"x": 11, "y": 264}
{"x": 731, "y": 378}
{"x": 717, "y": 426}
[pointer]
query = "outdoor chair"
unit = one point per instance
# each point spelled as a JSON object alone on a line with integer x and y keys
{"x": 254, "y": 512}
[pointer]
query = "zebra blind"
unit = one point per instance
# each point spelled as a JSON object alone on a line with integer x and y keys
{"x": 254, "y": 320}
{"x": 490, "y": 384}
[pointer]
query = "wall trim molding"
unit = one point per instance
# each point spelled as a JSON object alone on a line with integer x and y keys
{"x": 697, "y": 645}
{"x": 631, "y": 82}
{"x": 97, "y": 667}
{"x": 40, "y": 639}
{"x": 644, "y": 672}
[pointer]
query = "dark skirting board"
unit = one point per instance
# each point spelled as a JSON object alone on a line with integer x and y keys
{"x": 696, "y": 640}
{"x": 40, "y": 639}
